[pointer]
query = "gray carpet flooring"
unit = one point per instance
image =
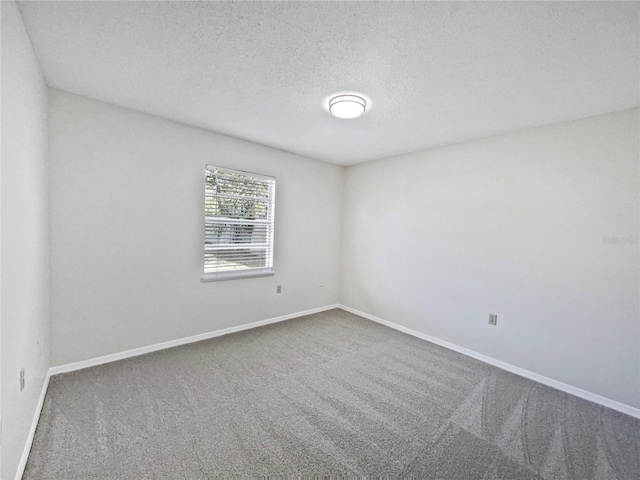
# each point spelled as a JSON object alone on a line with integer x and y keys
{"x": 330, "y": 394}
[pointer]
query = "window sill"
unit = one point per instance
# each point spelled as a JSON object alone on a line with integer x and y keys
{"x": 218, "y": 277}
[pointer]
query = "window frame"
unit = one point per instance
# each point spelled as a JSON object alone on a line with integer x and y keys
{"x": 249, "y": 272}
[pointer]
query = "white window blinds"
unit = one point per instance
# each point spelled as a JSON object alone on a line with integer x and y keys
{"x": 238, "y": 224}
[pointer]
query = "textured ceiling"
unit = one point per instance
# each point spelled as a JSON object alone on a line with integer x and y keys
{"x": 436, "y": 73}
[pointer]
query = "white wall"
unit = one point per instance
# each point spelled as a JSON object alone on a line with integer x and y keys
{"x": 513, "y": 225}
{"x": 434, "y": 241}
{"x": 25, "y": 251}
{"x": 127, "y": 193}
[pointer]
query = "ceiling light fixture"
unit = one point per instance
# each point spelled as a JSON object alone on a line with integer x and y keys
{"x": 347, "y": 106}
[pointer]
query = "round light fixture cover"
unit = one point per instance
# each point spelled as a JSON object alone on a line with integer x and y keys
{"x": 347, "y": 106}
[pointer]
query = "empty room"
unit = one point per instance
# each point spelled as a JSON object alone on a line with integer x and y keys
{"x": 320, "y": 240}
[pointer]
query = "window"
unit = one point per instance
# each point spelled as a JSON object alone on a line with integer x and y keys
{"x": 238, "y": 224}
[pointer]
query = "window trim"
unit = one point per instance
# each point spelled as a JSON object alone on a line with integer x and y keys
{"x": 235, "y": 275}
{"x": 251, "y": 272}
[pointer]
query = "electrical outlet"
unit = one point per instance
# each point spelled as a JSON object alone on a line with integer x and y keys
{"x": 22, "y": 379}
{"x": 493, "y": 319}
{"x": 278, "y": 288}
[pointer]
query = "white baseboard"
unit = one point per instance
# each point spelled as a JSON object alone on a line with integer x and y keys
{"x": 70, "y": 367}
{"x": 578, "y": 392}
{"x": 92, "y": 362}
{"x": 32, "y": 430}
